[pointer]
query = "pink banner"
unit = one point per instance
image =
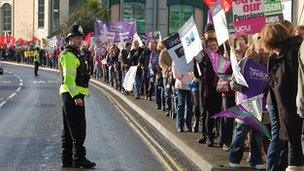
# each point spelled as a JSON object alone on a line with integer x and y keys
{"x": 250, "y": 26}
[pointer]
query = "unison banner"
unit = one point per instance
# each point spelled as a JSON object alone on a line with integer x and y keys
{"x": 248, "y": 16}
{"x": 175, "y": 49}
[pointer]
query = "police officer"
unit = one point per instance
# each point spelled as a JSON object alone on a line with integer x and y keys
{"x": 74, "y": 88}
{"x": 36, "y": 61}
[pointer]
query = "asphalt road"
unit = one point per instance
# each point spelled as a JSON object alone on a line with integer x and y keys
{"x": 30, "y": 126}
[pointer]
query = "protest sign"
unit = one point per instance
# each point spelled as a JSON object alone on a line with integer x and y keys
{"x": 136, "y": 38}
{"x": 220, "y": 24}
{"x": 175, "y": 49}
{"x": 190, "y": 40}
{"x": 287, "y": 9}
{"x": 52, "y": 42}
{"x": 237, "y": 70}
{"x": 248, "y": 16}
{"x": 100, "y": 44}
{"x": 116, "y": 30}
{"x": 273, "y": 11}
{"x": 130, "y": 78}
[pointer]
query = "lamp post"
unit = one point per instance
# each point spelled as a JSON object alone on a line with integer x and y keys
{"x": 121, "y": 9}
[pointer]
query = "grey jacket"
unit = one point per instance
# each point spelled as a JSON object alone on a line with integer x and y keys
{"x": 300, "y": 95}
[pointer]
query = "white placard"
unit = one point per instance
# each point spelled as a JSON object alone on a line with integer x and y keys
{"x": 220, "y": 27}
{"x": 237, "y": 70}
{"x": 190, "y": 39}
{"x": 130, "y": 78}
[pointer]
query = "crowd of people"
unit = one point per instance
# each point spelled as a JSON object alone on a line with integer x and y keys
{"x": 193, "y": 98}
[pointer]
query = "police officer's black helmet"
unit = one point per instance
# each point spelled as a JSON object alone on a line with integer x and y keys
{"x": 76, "y": 30}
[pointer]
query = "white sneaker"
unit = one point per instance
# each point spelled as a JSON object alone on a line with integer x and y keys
{"x": 295, "y": 168}
{"x": 225, "y": 147}
{"x": 260, "y": 167}
{"x": 233, "y": 165}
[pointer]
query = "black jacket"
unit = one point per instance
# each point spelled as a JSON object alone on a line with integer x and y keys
{"x": 283, "y": 71}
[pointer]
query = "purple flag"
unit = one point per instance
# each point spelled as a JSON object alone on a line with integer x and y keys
{"x": 116, "y": 30}
{"x": 220, "y": 65}
{"x": 249, "y": 117}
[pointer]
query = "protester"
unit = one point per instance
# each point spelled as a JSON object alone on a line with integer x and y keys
{"x": 283, "y": 70}
{"x": 300, "y": 92}
{"x": 184, "y": 104}
{"x": 134, "y": 59}
{"x": 165, "y": 63}
{"x": 256, "y": 61}
{"x": 300, "y": 30}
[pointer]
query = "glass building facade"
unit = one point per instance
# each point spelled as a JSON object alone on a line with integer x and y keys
{"x": 7, "y": 18}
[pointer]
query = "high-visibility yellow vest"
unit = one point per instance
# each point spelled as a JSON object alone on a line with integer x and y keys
{"x": 69, "y": 64}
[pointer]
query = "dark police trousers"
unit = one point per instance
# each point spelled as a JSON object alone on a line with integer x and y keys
{"x": 74, "y": 129}
{"x": 36, "y": 63}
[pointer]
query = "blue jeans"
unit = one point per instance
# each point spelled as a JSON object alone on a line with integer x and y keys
{"x": 275, "y": 149}
{"x": 159, "y": 95}
{"x": 237, "y": 145}
{"x": 167, "y": 95}
{"x": 184, "y": 106}
{"x": 137, "y": 84}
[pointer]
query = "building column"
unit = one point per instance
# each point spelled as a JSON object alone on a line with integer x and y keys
{"x": 199, "y": 20}
{"x": 115, "y": 12}
{"x": 162, "y": 18}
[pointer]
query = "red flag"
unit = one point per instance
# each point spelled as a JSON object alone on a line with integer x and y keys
{"x": 226, "y": 4}
{"x": 88, "y": 38}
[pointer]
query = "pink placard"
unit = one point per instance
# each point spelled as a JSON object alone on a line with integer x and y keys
{"x": 250, "y": 26}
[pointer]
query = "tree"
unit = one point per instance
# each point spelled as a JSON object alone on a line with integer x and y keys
{"x": 84, "y": 15}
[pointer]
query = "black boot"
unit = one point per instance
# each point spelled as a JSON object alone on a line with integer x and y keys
{"x": 84, "y": 163}
{"x": 66, "y": 162}
{"x": 195, "y": 125}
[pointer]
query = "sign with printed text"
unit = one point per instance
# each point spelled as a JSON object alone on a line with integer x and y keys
{"x": 190, "y": 40}
{"x": 220, "y": 26}
{"x": 248, "y": 16}
{"x": 273, "y": 11}
{"x": 176, "y": 51}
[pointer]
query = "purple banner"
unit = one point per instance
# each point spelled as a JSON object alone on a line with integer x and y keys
{"x": 241, "y": 113}
{"x": 117, "y": 31}
{"x": 256, "y": 77}
{"x": 219, "y": 63}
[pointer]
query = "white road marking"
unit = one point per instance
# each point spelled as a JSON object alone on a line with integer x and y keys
{"x": 11, "y": 96}
{"x": 2, "y": 103}
{"x": 17, "y": 90}
{"x": 6, "y": 82}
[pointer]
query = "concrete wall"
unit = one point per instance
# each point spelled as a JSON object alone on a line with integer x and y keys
{"x": 63, "y": 11}
{"x": 24, "y": 18}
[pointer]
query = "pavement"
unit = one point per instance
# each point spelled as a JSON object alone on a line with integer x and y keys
{"x": 185, "y": 144}
{"x": 31, "y": 122}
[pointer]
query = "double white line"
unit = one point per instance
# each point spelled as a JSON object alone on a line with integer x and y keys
{"x": 15, "y": 92}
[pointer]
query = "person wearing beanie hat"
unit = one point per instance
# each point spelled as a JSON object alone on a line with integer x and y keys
{"x": 209, "y": 31}
{"x": 74, "y": 88}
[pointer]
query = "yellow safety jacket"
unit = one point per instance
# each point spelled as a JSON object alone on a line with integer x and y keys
{"x": 69, "y": 64}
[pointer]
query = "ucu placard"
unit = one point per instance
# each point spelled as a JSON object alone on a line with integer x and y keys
{"x": 248, "y": 16}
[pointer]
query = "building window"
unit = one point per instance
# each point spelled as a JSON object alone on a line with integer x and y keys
{"x": 135, "y": 11}
{"x": 55, "y": 16}
{"x": 178, "y": 15}
{"x": 7, "y": 18}
{"x": 40, "y": 13}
